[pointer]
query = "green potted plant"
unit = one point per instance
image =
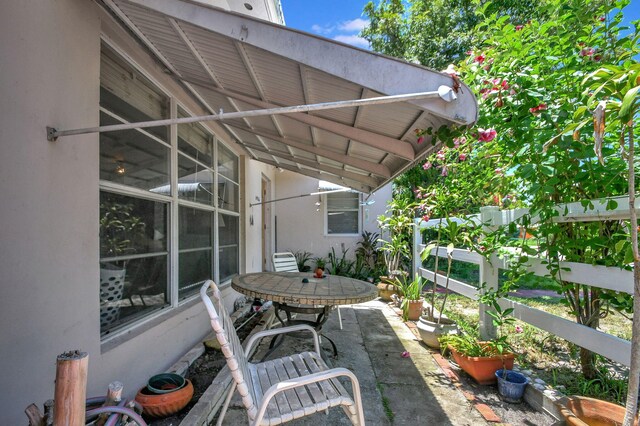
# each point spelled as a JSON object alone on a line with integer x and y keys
{"x": 396, "y": 226}
{"x": 433, "y": 324}
{"x": 412, "y": 297}
{"x": 481, "y": 359}
{"x": 120, "y": 229}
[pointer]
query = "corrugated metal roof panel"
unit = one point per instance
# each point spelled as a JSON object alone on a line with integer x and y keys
{"x": 237, "y": 63}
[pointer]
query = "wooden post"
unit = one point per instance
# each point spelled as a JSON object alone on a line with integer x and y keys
{"x": 114, "y": 396}
{"x": 488, "y": 276}
{"x": 71, "y": 389}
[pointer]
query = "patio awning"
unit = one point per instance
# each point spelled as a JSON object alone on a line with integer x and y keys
{"x": 233, "y": 63}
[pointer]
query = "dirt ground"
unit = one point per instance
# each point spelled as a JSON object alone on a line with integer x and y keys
{"x": 204, "y": 370}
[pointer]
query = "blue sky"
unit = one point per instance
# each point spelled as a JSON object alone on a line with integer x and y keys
{"x": 342, "y": 20}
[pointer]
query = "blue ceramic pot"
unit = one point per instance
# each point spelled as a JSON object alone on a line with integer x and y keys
{"x": 511, "y": 385}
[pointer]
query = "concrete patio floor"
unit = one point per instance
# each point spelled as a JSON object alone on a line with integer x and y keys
{"x": 395, "y": 390}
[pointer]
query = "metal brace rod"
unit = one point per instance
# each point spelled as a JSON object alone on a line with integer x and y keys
{"x": 444, "y": 92}
{"x": 299, "y": 196}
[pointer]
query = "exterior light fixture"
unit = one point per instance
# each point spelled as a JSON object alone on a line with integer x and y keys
{"x": 120, "y": 169}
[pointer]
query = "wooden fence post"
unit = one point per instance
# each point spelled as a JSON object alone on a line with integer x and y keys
{"x": 488, "y": 276}
{"x": 71, "y": 389}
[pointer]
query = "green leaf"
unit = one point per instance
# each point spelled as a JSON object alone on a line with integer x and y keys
{"x": 626, "y": 110}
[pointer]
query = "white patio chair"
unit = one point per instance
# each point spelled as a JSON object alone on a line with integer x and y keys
{"x": 284, "y": 389}
{"x": 286, "y": 262}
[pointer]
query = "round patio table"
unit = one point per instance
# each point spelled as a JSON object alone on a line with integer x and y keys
{"x": 318, "y": 296}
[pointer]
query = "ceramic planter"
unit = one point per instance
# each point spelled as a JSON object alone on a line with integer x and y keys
{"x": 511, "y": 385}
{"x": 430, "y": 331}
{"x": 386, "y": 290}
{"x": 482, "y": 368}
{"x": 166, "y": 404}
{"x": 584, "y": 411}
{"x": 414, "y": 308}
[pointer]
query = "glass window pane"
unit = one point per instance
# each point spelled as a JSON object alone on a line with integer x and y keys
{"x": 196, "y": 249}
{"x": 131, "y": 226}
{"x": 227, "y": 163}
{"x": 127, "y": 93}
{"x": 131, "y": 158}
{"x": 195, "y": 141}
{"x": 342, "y": 200}
{"x": 131, "y": 290}
{"x": 195, "y": 228}
{"x": 227, "y": 194}
{"x": 228, "y": 233}
{"x": 345, "y": 222}
{"x": 195, "y": 182}
{"x": 195, "y": 267}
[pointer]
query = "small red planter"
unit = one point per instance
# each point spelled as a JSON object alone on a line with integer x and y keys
{"x": 166, "y": 404}
{"x": 483, "y": 368}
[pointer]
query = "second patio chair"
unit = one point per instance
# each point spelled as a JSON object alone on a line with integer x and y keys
{"x": 284, "y": 389}
{"x": 286, "y": 262}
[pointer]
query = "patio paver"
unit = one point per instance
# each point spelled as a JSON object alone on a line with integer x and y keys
{"x": 414, "y": 389}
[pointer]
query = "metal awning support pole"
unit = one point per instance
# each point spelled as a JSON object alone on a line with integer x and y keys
{"x": 299, "y": 196}
{"x": 444, "y": 92}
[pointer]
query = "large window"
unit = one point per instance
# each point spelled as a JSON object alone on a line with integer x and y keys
{"x": 143, "y": 198}
{"x": 343, "y": 213}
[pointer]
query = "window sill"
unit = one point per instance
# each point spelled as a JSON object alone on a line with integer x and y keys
{"x": 145, "y": 324}
{"x": 152, "y": 320}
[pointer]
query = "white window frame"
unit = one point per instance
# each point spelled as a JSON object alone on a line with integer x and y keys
{"x": 326, "y": 216}
{"x": 173, "y": 203}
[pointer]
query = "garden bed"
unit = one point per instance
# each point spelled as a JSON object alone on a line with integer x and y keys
{"x": 203, "y": 365}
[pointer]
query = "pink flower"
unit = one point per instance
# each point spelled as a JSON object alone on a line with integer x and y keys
{"x": 426, "y": 218}
{"x": 519, "y": 329}
{"x": 519, "y": 27}
{"x": 405, "y": 354}
{"x": 444, "y": 171}
{"x": 427, "y": 165}
{"x": 589, "y": 51}
{"x": 537, "y": 109}
{"x": 420, "y": 139}
{"x": 440, "y": 155}
{"x": 600, "y": 18}
{"x": 462, "y": 157}
{"x": 499, "y": 171}
{"x": 479, "y": 59}
{"x": 486, "y": 135}
{"x": 459, "y": 141}
{"x": 597, "y": 58}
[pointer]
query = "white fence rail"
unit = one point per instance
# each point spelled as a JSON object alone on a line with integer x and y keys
{"x": 610, "y": 278}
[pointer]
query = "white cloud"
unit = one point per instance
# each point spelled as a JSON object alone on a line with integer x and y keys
{"x": 353, "y": 40}
{"x": 322, "y": 29}
{"x": 354, "y": 25}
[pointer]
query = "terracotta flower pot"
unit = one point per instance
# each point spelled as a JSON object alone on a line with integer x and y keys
{"x": 482, "y": 368}
{"x": 414, "y": 309}
{"x": 584, "y": 411}
{"x": 166, "y": 404}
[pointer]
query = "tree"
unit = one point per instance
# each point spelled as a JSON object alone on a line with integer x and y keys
{"x": 436, "y": 33}
{"x": 531, "y": 144}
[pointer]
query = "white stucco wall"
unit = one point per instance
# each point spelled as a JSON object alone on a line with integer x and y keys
{"x": 301, "y": 228}
{"x": 49, "y": 269}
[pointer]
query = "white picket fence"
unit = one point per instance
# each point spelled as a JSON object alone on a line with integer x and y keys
{"x": 611, "y": 278}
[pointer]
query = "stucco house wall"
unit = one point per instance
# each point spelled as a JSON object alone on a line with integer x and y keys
{"x": 301, "y": 223}
{"x": 49, "y": 262}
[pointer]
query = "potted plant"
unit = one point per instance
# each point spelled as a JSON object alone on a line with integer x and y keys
{"x": 584, "y": 411}
{"x": 396, "y": 226}
{"x": 412, "y": 297}
{"x": 120, "y": 229}
{"x": 432, "y": 325}
{"x": 481, "y": 359}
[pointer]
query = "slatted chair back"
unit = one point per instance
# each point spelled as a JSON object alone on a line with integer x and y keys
{"x": 284, "y": 262}
{"x": 230, "y": 346}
